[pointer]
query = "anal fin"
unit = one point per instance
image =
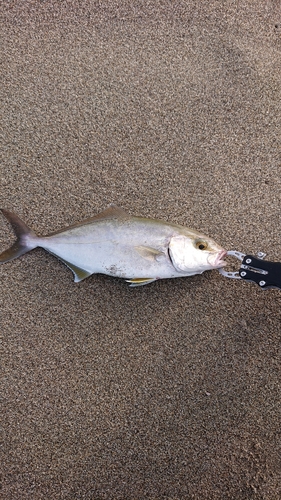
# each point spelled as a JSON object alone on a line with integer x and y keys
{"x": 140, "y": 281}
{"x": 79, "y": 274}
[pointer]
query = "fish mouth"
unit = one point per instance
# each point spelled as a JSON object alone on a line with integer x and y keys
{"x": 217, "y": 259}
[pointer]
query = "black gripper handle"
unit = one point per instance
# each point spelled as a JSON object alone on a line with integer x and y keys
{"x": 263, "y": 272}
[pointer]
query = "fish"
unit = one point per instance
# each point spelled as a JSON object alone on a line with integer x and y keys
{"x": 114, "y": 243}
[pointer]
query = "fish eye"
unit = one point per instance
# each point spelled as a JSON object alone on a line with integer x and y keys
{"x": 201, "y": 245}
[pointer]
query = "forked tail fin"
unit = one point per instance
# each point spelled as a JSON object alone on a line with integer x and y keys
{"x": 26, "y": 238}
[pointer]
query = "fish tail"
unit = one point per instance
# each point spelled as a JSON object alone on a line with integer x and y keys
{"x": 26, "y": 238}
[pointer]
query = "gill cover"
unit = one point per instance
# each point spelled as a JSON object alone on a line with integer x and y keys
{"x": 187, "y": 256}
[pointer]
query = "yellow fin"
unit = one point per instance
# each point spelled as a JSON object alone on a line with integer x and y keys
{"x": 140, "y": 281}
{"x": 79, "y": 274}
{"x": 149, "y": 252}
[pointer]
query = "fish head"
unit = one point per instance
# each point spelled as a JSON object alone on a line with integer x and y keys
{"x": 195, "y": 253}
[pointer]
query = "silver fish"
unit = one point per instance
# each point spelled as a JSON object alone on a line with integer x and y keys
{"x": 117, "y": 244}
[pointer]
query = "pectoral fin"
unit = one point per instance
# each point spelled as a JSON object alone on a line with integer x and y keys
{"x": 140, "y": 281}
{"x": 149, "y": 252}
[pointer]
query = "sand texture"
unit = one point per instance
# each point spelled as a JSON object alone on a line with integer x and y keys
{"x": 171, "y": 110}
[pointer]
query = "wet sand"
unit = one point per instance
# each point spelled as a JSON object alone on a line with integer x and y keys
{"x": 170, "y": 110}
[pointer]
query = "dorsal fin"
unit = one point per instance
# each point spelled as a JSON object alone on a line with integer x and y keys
{"x": 112, "y": 212}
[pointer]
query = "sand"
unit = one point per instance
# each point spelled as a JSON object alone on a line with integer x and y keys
{"x": 170, "y": 110}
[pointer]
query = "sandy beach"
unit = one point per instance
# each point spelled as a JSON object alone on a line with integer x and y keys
{"x": 170, "y": 110}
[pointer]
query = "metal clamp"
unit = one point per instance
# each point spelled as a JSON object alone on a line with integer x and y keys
{"x": 240, "y": 256}
{"x": 254, "y": 269}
